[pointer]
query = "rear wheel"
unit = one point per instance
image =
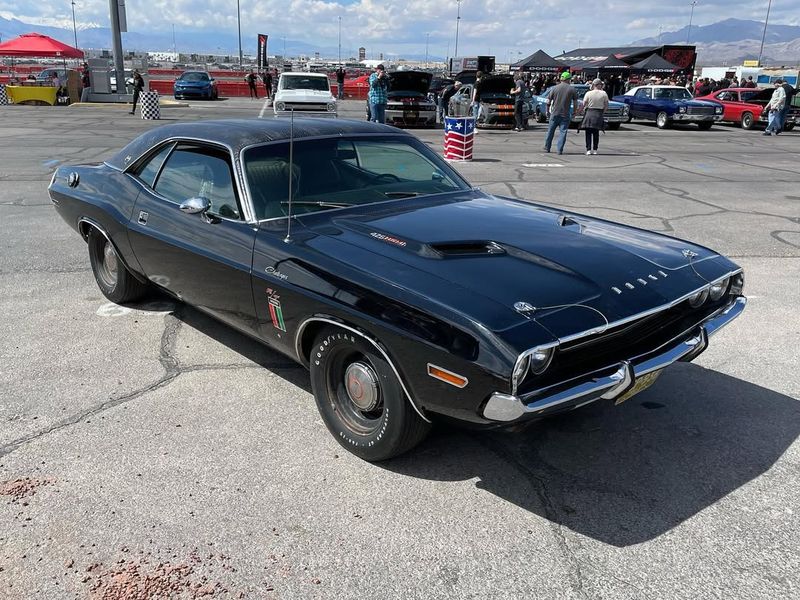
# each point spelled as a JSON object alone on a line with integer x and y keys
{"x": 747, "y": 120}
{"x": 113, "y": 279}
{"x": 662, "y": 121}
{"x": 360, "y": 398}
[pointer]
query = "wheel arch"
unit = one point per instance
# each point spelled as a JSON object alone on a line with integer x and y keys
{"x": 86, "y": 224}
{"x": 311, "y": 326}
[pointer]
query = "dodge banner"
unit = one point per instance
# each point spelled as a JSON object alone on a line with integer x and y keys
{"x": 262, "y": 51}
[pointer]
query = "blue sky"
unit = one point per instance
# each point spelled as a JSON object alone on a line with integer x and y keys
{"x": 505, "y": 28}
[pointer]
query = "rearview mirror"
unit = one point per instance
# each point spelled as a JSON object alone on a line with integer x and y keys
{"x": 193, "y": 206}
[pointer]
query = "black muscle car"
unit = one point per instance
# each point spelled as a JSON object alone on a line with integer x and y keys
{"x": 409, "y": 294}
{"x": 495, "y": 100}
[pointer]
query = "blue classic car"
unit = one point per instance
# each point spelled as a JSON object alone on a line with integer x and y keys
{"x": 410, "y": 295}
{"x": 616, "y": 114}
{"x": 195, "y": 84}
{"x": 668, "y": 104}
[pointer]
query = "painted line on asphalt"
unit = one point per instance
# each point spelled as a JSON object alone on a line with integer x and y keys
{"x": 263, "y": 109}
{"x": 542, "y": 165}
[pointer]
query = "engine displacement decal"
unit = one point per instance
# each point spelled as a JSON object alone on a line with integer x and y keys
{"x": 387, "y": 238}
{"x": 275, "y": 310}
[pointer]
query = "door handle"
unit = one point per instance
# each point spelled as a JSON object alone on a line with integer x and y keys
{"x": 143, "y": 217}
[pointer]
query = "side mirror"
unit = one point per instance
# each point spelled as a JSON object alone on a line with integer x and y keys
{"x": 193, "y": 206}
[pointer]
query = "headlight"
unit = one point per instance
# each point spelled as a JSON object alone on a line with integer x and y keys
{"x": 697, "y": 299}
{"x": 540, "y": 360}
{"x": 718, "y": 289}
{"x": 533, "y": 361}
{"x": 719, "y": 110}
{"x": 681, "y": 109}
{"x": 625, "y": 110}
{"x": 737, "y": 284}
{"x": 331, "y": 106}
{"x": 280, "y": 106}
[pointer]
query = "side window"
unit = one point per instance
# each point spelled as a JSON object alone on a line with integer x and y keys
{"x": 643, "y": 93}
{"x": 727, "y": 96}
{"x": 195, "y": 171}
{"x": 148, "y": 172}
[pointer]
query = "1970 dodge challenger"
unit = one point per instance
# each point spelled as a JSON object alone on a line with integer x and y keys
{"x": 409, "y": 294}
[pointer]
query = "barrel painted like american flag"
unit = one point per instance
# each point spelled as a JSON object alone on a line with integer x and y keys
{"x": 459, "y": 134}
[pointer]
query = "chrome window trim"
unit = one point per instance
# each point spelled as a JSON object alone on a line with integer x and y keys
{"x": 611, "y": 325}
{"x": 399, "y": 134}
{"x": 361, "y": 334}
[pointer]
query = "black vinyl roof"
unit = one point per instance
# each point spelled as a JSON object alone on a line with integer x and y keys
{"x": 239, "y": 133}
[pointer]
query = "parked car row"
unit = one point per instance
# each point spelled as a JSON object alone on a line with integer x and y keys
{"x": 616, "y": 114}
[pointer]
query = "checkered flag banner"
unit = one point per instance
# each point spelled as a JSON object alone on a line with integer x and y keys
{"x": 459, "y": 133}
{"x": 3, "y": 95}
{"x": 150, "y": 109}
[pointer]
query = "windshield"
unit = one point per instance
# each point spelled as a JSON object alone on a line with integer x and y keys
{"x": 671, "y": 94}
{"x": 303, "y": 82}
{"x": 581, "y": 91}
{"x": 194, "y": 77}
{"x": 338, "y": 172}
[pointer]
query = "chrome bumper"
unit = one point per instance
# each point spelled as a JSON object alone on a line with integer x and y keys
{"x": 506, "y": 407}
{"x": 306, "y": 113}
{"x": 694, "y": 118}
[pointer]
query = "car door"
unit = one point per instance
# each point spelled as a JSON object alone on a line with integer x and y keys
{"x": 641, "y": 105}
{"x": 203, "y": 258}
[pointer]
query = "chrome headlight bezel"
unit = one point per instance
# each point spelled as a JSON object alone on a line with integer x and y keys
{"x": 718, "y": 110}
{"x": 625, "y": 109}
{"x": 331, "y": 106}
{"x": 535, "y": 361}
{"x": 280, "y": 106}
{"x": 736, "y": 284}
{"x": 681, "y": 109}
{"x": 699, "y": 298}
{"x": 718, "y": 289}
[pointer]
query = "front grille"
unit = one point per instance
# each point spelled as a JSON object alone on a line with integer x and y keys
{"x": 614, "y": 112}
{"x": 300, "y": 106}
{"x": 700, "y": 110}
{"x": 588, "y": 354}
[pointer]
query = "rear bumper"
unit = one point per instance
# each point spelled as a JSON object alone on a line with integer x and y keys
{"x": 612, "y": 382}
{"x": 411, "y": 117}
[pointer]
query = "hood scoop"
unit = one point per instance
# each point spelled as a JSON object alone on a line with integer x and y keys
{"x": 466, "y": 248}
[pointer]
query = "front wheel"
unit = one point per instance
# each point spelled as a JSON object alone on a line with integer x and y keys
{"x": 360, "y": 398}
{"x": 705, "y": 126}
{"x": 613, "y": 125}
{"x": 113, "y": 279}
{"x": 747, "y": 120}
{"x": 662, "y": 121}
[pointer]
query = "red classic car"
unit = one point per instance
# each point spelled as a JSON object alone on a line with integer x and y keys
{"x": 746, "y": 106}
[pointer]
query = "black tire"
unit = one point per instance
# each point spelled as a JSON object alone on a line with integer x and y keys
{"x": 662, "y": 120}
{"x": 614, "y": 126}
{"x": 113, "y": 279}
{"x": 345, "y": 368}
{"x": 788, "y": 126}
{"x": 747, "y": 120}
{"x": 540, "y": 117}
{"x": 705, "y": 126}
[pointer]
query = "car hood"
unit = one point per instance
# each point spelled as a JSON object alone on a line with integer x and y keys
{"x": 410, "y": 81}
{"x": 495, "y": 252}
{"x": 493, "y": 84}
{"x": 304, "y": 96}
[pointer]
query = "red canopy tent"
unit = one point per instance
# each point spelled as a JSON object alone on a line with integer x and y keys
{"x": 36, "y": 44}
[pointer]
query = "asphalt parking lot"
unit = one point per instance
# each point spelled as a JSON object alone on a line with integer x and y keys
{"x": 150, "y": 450}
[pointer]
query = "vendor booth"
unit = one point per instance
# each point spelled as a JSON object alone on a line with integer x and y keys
{"x": 539, "y": 62}
{"x": 36, "y": 45}
{"x": 654, "y": 65}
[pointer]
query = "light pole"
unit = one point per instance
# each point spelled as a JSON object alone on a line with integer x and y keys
{"x": 340, "y": 41}
{"x": 458, "y": 19}
{"x": 427, "y": 38}
{"x": 764, "y": 35}
{"x": 74, "y": 27}
{"x": 691, "y": 16}
{"x": 239, "y": 24}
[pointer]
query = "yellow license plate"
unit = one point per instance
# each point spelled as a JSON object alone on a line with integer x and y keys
{"x": 644, "y": 382}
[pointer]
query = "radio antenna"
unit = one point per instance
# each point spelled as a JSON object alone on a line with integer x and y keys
{"x": 288, "y": 237}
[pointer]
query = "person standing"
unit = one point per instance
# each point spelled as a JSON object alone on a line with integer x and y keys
{"x": 444, "y": 101}
{"x": 377, "y": 95}
{"x": 561, "y": 102}
{"x": 340, "y": 82}
{"x": 138, "y": 86}
{"x": 787, "y": 105}
{"x": 266, "y": 79}
{"x": 518, "y": 91}
{"x": 476, "y": 97}
{"x": 775, "y": 107}
{"x": 250, "y": 78}
{"x": 595, "y": 104}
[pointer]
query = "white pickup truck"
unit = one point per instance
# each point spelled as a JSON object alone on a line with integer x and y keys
{"x": 305, "y": 94}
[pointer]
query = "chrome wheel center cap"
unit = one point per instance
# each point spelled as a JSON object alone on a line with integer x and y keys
{"x": 361, "y": 384}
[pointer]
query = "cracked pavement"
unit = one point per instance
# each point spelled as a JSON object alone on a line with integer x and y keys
{"x": 152, "y": 435}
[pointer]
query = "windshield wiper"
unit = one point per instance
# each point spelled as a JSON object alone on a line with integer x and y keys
{"x": 319, "y": 203}
{"x": 400, "y": 194}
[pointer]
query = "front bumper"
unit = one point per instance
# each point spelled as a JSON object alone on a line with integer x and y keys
{"x": 194, "y": 93}
{"x": 613, "y": 381}
{"x": 306, "y": 113}
{"x": 695, "y": 118}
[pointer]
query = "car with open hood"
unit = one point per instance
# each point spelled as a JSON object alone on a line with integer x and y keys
{"x": 407, "y": 100}
{"x": 668, "y": 105}
{"x": 304, "y": 94}
{"x": 614, "y": 117}
{"x": 496, "y": 102}
{"x": 411, "y": 296}
{"x": 747, "y": 107}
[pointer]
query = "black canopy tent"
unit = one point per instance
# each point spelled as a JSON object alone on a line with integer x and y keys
{"x": 611, "y": 64}
{"x": 540, "y": 62}
{"x": 654, "y": 64}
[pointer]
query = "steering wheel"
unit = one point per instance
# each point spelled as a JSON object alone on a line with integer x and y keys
{"x": 388, "y": 177}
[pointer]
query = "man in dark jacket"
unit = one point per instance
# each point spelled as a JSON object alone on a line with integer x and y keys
{"x": 266, "y": 78}
{"x": 340, "y": 82}
{"x": 787, "y": 107}
{"x": 138, "y": 86}
{"x": 444, "y": 101}
{"x": 250, "y": 78}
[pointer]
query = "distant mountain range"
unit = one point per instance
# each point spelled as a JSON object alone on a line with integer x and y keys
{"x": 733, "y": 40}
